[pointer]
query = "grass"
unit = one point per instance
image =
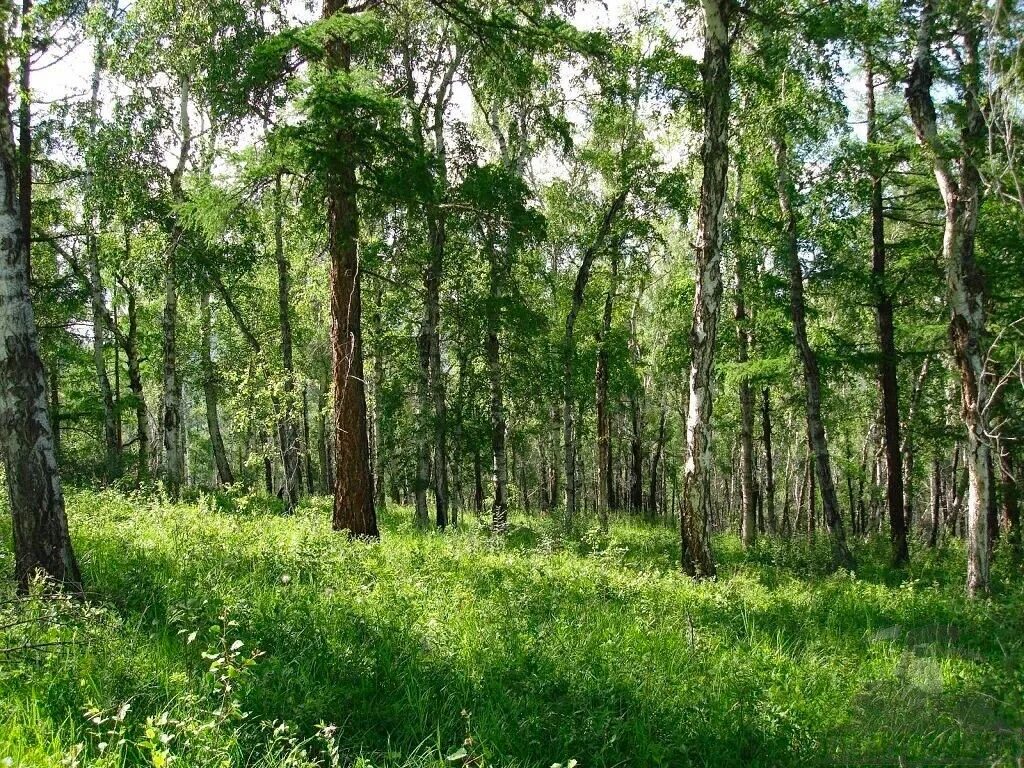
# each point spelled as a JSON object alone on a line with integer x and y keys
{"x": 431, "y": 649}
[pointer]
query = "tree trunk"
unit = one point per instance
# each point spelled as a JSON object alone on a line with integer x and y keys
{"x": 748, "y": 513}
{"x": 936, "y": 505}
{"x": 569, "y": 352}
{"x": 99, "y": 309}
{"x": 605, "y": 477}
{"x": 288, "y": 431}
{"x": 812, "y": 379}
{"x": 307, "y": 449}
{"x": 499, "y": 508}
{"x": 131, "y": 352}
{"x": 887, "y": 374}
{"x": 220, "y": 457}
{"x": 1011, "y": 498}
{"x": 696, "y": 511}
{"x": 652, "y": 499}
{"x": 41, "y": 539}
{"x": 422, "y": 478}
{"x": 908, "y": 446}
{"x": 769, "y": 468}
{"x": 378, "y": 383}
{"x": 353, "y": 492}
{"x": 174, "y": 457}
{"x": 25, "y": 132}
{"x": 962, "y": 199}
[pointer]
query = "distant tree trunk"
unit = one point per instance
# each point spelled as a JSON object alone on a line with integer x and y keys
{"x": 659, "y": 445}
{"x": 324, "y": 443}
{"x": 131, "y": 353}
{"x": 887, "y": 374}
{"x": 569, "y": 351}
{"x": 111, "y": 445}
{"x": 36, "y": 500}
{"x": 1011, "y": 498}
{"x": 605, "y": 477}
{"x": 378, "y": 383}
{"x": 499, "y": 467}
{"x": 936, "y": 505}
{"x": 422, "y": 479}
{"x": 908, "y": 447}
{"x": 769, "y": 468}
{"x": 478, "y": 484}
{"x": 748, "y": 513}
{"x": 812, "y": 379}
{"x": 353, "y": 492}
{"x": 696, "y": 511}
{"x": 174, "y": 456}
{"x": 306, "y": 445}
{"x": 962, "y": 199}
{"x": 992, "y": 511}
{"x": 287, "y": 428}
{"x": 636, "y": 464}
{"x": 220, "y": 456}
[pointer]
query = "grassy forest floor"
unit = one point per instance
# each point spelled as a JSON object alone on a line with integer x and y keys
{"x": 449, "y": 649}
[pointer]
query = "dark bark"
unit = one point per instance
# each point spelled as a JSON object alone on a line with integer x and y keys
{"x": 210, "y": 393}
{"x": 841, "y": 554}
{"x": 605, "y": 476}
{"x": 1011, "y": 498}
{"x": 499, "y": 508}
{"x": 769, "y": 467}
{"x": 287, "y": 428}
{"x": 131, "y": 351}
{"x": 569, "y": 351}
{"x": 353, "y": 493}
{"x": 887, "y": 374}
{"x": 652, "y": 499}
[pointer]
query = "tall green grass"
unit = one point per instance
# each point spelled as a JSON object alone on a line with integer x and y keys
{"x": 453, "y": 649}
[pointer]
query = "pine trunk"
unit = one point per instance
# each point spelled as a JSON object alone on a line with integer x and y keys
{"x": 353, "y": 492}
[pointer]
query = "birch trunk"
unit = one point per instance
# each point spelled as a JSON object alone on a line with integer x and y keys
{"x": 696, "y": 512}
{"x": 499, "y": 465}
{"x": 961, "y": 193}
{"x": 174, "y": 456}
{"x": 40, "y": 527}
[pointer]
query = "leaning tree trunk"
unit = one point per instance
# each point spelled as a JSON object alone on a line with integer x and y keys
{"x": 961, "y": 194}
{"x": 696, "y": 510}
{"x": 210, "y": 394}
{"x": 812, "y": 378}
{"x": 41, "y": 540}
{"x": 174, "y": 456}
{"x": 887, "y": 374}
{"x": 353, "y": 492}
{"x": 287, "y": 427}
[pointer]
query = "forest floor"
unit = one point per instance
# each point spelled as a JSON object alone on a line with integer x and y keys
{"x": 443, "y": 650}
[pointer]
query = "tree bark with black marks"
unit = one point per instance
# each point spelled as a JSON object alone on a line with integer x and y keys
{"x": 961, "y": 192}
{"x": 697, "y": 560}
{"x": 41, "y": 539}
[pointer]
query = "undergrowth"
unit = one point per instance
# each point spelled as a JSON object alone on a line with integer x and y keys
{"x": 218, "y": 633}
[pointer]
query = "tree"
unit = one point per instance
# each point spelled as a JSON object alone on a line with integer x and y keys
{"x": 41, "y": 539}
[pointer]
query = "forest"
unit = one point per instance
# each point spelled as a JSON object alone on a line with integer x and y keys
{"x": 406, "y": 383}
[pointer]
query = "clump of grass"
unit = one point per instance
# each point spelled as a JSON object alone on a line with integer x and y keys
{"x": 238, "y": 637}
